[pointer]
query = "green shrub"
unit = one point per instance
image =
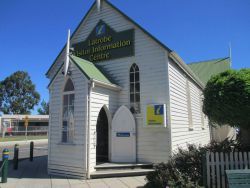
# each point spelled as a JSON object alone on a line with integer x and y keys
{"x": 189, "y": 162}
{"x": 184, "y": 169}
{"x": 166, "y": 174}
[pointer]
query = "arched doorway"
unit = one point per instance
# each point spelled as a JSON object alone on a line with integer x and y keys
{"x": 102, "y": 139}
{"x": 123, "y": 136}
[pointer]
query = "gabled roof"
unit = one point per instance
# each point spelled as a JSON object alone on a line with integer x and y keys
{"x": 179, "y": 62}
{"x": 128, "y": 18}
{"x": 172, "y": 54}
{"x": 90, "y": 70}
{"x": 205, "y": 69}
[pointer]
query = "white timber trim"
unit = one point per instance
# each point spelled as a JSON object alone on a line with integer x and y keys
{"x": 106, "y": 85}
{"x": 177, "y": 59}
{"x": 91, "y": 86}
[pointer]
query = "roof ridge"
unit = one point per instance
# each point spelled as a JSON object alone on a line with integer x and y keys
{"x": 206, "y": 61}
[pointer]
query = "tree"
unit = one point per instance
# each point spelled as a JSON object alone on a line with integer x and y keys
{"x": 18, "y": 94}
{"x": 44, "y": 109}
{"x": 227, "y": 100}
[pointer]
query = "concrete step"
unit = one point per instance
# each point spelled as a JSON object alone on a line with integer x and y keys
{"x": 119, "y": 173}
{"x": 122, "y": 166}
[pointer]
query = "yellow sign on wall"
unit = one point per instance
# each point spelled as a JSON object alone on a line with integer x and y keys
{"x": 156, "y": 115}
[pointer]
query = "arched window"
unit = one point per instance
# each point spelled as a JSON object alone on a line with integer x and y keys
{"x": 134, "y": 79}
{"x": 68, "y": 112}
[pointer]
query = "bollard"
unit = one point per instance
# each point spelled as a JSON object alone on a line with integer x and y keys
{"x": 5, "y": 165}
{"x": 31, "y": 150}
{"x": 15, "y": 159}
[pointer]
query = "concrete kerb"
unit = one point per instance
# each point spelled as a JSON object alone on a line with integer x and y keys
{"x": 12, "y": 143}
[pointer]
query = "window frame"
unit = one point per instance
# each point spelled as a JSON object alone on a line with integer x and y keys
{"x": 201, "y": 97}
{"x": 135, "y": 90}
{"x": 70, "y": 132}
{"x": 189, "y": 106}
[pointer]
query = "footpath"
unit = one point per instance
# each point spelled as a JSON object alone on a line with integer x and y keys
{"x": 34, "y": 175}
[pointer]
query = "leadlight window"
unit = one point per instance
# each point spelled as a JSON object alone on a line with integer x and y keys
{"x": 68, "y": 112}
{"x": 69, "y": 86}
{"x": 134, "y": 78}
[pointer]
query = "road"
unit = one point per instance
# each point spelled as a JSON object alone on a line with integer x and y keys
{"x": 40, "y": 148}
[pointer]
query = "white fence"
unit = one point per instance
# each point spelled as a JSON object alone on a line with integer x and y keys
{"x": 217, "y": 163}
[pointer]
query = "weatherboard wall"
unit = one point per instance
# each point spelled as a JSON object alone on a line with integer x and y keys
{"x": 186, "y": 123}
{"x": 68, "y": 159}
{"x": 162, "y": 82}
{"x": 100, "y": 97}
{"x": 152, "y": 61}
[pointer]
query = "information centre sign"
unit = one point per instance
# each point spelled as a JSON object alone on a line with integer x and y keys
{"x": 104, "y": 43}
{"x": 156, "y": 115}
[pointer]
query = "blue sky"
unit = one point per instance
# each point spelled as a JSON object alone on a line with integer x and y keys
{"x": 32, "y": 33}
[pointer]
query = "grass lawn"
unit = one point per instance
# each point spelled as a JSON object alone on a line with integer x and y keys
{"x": 19, "y": 138}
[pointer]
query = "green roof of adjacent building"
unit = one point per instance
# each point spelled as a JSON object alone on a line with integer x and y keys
{"x": 205, "y": 69}
{"x": 90, "y": 70}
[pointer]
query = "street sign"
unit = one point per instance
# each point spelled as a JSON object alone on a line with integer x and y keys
{"x": 26, "y": 121}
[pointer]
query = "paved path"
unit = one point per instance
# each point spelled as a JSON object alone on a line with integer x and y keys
{"x": 34, "y": 175}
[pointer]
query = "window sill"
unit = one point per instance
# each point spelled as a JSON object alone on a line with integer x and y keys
{"x": 66, "y": 143}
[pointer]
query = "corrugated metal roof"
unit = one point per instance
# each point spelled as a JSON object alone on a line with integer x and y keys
{"x": 90, "y": 70}
{"x": 205, "y": 69}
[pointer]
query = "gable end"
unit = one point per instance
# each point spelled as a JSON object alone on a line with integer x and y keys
{"x": 125, "y": 16}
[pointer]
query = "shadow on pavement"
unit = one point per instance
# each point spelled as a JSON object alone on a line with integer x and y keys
{"x": 30, "y": 169}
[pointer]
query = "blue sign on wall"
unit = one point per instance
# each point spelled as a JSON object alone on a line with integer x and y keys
{"x": 122, "y": 134}
{"x": 100, "y": 30}
{"x": 158, "y": 109}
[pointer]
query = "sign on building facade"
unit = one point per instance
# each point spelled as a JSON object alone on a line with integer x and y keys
{"x": 156, "y": 115}
{"x": 104, "y": 43}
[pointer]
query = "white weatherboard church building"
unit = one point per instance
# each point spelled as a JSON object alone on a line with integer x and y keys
{"x": 125, "y": 98}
